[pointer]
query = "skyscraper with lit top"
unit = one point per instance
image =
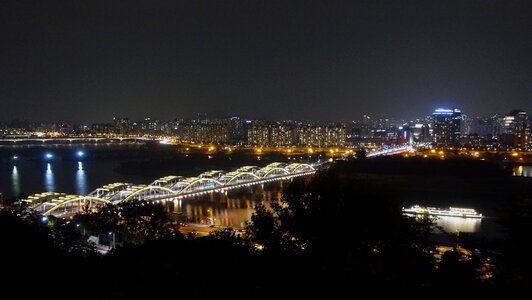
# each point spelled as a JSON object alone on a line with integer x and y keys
{"x": 446, "y": 127}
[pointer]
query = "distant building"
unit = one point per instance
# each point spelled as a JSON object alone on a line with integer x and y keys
{"x": 447, "y": 127}
{"x": 282, "y": 134}
{"x": 482, "y": 127}
{"x": 238, "y": 131}
{"x": 420, "y": 132}
{"x": 288, "y": 134}
{"x": 258, "y": 134}
{"x": 316, "y": 135}
{"x": 122, "y": 125}
{"x": 516, "y": 131}
{"x": 205, "y": 131}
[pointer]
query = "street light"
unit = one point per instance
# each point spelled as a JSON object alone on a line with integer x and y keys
{"x": 113, "y": 244}
{"x": 81, "y": 153}
{"x": 48, "y": 155}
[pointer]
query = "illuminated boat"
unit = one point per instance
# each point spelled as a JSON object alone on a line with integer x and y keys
{"x": 451, "y": 212}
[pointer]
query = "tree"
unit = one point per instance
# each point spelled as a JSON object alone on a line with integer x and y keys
{"x": 361, "y": 154}
{"x": 354, "y": 231}
{"x": 134, "y": 221}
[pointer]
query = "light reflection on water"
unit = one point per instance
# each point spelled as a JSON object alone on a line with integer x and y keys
{"x": 525, "y": 171}
{"x": 49, "y": 181}
{"x": 457, "y": 224}
{"x": 233, "y": 210}
{"x": 15, "y": 181}
{"x": 81, "y": 180}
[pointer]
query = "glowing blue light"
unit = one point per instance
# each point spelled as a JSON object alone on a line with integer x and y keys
{"x": 445, "y": 111}
{"x": 110, "y": 233}
{"x": 49, "y": 155}
{"x": 77, "y": 225}
{"x": 44, "y": 219}
{"x": 81, "y": 153}
{"x": 15, "y": 157}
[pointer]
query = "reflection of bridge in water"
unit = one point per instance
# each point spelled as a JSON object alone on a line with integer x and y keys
{"x": 166, "y": 188}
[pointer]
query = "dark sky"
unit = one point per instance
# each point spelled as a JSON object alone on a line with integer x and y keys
{"x": 84, "y": 61}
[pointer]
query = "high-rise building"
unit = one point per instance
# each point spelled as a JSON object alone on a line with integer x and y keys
{"x": 282, "y": 135}
{"x": 315, "y": 135}
{"x": 482, "y": 127}
{"x": 515, "y": 131}
{"x": 205, "y": 131}
{"x": 239, "y": 128}
{"x": 447, "y": 127}
{"x": 258, "y": 134}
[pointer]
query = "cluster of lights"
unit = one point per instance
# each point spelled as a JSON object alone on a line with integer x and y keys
{"x": 49, "y": 155}
{"x": 236, "y": 186}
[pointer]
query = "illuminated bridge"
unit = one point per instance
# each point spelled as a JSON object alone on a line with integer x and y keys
{"x": 166, "y": 188}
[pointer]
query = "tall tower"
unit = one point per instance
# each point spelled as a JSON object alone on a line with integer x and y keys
{"x": 447, "y": 127}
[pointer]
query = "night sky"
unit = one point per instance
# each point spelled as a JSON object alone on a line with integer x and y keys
{"x": 87, "y": 61}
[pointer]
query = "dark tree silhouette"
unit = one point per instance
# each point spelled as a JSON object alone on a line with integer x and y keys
{"x": 361, "y": 154}
{"x": 353, "y": 231}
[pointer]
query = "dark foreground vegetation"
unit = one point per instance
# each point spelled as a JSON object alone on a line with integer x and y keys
{"x": 339, "y": 233}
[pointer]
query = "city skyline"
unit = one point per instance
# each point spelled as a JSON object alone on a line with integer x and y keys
{"x": 204, "y": 116}
{"x": 263, "y": 60}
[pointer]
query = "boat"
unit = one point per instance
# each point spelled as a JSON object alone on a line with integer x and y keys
{"x": 451, "y": 212}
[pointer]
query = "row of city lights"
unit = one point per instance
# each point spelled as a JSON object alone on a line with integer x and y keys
{"x": 225, "y": 189}
{"x": 49, "y": 155}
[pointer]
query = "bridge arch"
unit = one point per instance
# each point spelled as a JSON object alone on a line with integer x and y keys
{"x": 198, "y": 180}
{"x": 303, "y": 166}
{"x": 59, "y": 205}
{"x": 149, "y": 187}
{"x": 241, "y": 174}
{"x": 273, "y": 170}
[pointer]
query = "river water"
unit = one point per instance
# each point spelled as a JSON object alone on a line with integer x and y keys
{"x": 68, "y": 171}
